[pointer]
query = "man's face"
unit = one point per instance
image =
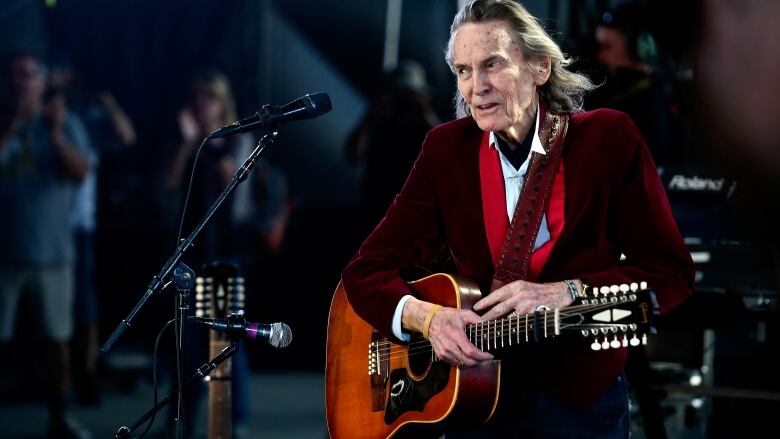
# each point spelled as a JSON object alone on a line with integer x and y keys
{"x": 28, "y": 79}
{"x": 495, "y": 79}
{"x": 612, "y": 48}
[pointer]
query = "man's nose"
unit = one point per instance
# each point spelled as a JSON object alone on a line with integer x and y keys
{"x": 481, "y": 82}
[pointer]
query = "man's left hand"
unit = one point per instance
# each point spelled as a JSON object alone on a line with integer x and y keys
{"x": 523, "y": 297}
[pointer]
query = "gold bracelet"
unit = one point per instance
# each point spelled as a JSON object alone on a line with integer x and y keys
{"x": 427, "y": 325}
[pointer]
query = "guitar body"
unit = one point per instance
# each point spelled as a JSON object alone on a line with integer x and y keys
{"x": 378, "y": 389}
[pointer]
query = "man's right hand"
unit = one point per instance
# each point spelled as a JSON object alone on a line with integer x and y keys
{"x": 447, "y": 332}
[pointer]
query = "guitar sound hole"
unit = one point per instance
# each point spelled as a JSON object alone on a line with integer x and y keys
{"x": 420, "y": 355}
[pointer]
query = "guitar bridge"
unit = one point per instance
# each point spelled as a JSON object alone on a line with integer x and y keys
{"x": 378, "y": 369}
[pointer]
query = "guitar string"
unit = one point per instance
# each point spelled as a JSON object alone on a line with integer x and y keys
{"x": 506, "y": 322}
{"x": 495, "y": 333}
{"x": 425, "y": 347}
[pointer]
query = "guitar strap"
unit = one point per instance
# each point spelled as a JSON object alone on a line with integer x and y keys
{"x": 532, "y": 203}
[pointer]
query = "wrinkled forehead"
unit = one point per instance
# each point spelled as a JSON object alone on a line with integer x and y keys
{"x": 486, "y": 37}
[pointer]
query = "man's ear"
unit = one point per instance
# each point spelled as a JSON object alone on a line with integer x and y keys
{"x": 540, "y": 67}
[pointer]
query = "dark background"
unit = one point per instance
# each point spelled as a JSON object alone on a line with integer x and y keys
{"x": 145, "y": 51}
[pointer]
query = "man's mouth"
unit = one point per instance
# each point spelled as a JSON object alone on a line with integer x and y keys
{"x": 486, "y": 108}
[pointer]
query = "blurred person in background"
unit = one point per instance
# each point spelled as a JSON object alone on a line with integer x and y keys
{"x": 388, "y": 138}
{"x": 250, "y": 224}
{"x": 44, "y": 155}
{"x": 627, "y": 51}
{"x": 109, "y": 129}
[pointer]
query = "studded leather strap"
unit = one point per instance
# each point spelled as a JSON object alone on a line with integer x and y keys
{"x": 532, "y": 203}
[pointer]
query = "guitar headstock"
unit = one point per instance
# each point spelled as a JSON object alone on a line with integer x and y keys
{"x": 615, "y": 316}
{"x": 219, "y": 292}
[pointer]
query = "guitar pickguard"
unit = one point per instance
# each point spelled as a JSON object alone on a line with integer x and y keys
{"x": 407, "y": 394}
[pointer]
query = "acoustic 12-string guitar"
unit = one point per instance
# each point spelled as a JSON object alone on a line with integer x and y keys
{"x": 219, "y": 293}
{"x": 377, "y": 389}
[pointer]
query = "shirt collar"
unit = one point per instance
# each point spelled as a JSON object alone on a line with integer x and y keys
{"x": 536, "y": 143}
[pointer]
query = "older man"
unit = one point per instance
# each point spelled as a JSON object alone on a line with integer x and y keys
{"x": 534, "y": 199}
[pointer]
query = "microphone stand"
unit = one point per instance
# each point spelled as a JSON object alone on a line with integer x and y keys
{"x": 203, "y": 371}
{"x": 185, "y": 244}
{"x": 183, "y": 276}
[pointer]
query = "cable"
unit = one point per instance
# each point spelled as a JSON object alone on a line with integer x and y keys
{"x": 154, "y": 375}
{"x": 189, "y": 188}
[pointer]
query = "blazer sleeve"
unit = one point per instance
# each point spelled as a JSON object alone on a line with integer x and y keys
{"x": 641, "y": 224}
{"x": 404, "y": 237}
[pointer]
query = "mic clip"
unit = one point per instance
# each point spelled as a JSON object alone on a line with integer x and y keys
{"x": 269, "y": 116}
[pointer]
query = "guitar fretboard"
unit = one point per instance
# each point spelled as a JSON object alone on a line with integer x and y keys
{"x": 514, "y": 330}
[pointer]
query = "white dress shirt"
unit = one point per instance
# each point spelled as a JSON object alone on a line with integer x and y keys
{"x": 513, "y": 183}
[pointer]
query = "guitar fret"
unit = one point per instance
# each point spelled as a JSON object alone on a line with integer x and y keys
{"x": 489, "y": 335}
{"x": 510, "y": 330}
{"x": 526, "y": 328}
{"x": 502, "y": 333}
{"x": 481, "y": 336}
{"x": 496, "y": 334}
{"x": 492, "y": 334}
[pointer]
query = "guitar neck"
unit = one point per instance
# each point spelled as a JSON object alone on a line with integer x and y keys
{"x": 514, "y": 330}
{"x": 608, "y": 318}
{"x": 220, "y": 426}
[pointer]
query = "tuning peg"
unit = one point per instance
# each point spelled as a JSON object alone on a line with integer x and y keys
{"x": 605, "y": 344}
{"x": 615, "y": 343}
{"x": 634, "y": 341}
{"x": 644, "y": 339}
{"x": 614, "y": 289}
{"x": 624, "y": 288}
{"x": 595, "y": 291}
{"x": 596, "y": 346}
{"x": 643, "y": 285}
{"x": 605, "y": 290}
{"x": 625, "y": 341}
{"x": 634, "y": 287}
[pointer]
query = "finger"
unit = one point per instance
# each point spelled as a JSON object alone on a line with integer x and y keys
{"x": 491, "y": 299}
{"x": 470, "y": 317}
{"x": 468, "y": 354}
{"x": 499, "y": 310}
{"x": 473, "y": 356}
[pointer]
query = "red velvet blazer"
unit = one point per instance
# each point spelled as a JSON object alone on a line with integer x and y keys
{"x": 614, "y": 203}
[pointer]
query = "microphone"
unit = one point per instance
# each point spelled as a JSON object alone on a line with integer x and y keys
{"x": 277, "y": 335}
{"x": 306, "y": 107}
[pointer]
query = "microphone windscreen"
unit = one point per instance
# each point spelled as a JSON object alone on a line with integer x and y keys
{"x": 281, "y": 335}
{"x": 320, "y": 104}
